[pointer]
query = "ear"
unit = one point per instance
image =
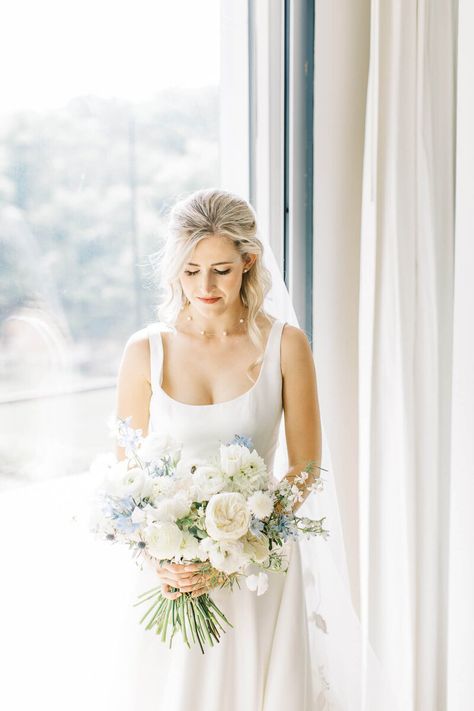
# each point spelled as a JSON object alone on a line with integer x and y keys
{"x": 249, "y": 261}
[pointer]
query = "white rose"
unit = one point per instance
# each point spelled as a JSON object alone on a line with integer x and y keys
{"x": 231, "y": 458}
{"x": 227, "y": 556}
{"x": 163, "y": 539}
{"x": 208, "y": 480}
{"x": 227, "y": 516}
{"x": 260, "y": 504}
{"x": 256, "y": 548}
{"x": 156, "y": 445}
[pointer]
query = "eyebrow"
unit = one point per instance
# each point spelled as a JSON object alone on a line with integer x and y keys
{"x": 212, "y": 265}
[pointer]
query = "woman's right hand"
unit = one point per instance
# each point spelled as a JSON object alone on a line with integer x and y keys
{"x": 185, "y": 576}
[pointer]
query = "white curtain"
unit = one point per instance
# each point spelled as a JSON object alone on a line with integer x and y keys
{"x": 461, "y": 530}
{"x": 384, "y": 273}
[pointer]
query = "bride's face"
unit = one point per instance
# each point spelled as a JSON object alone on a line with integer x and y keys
{"x": 214, "y": 271}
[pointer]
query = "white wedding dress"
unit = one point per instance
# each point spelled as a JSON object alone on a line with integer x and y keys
{"x": 262, "y": 663}
{"x": 70, "y": 633}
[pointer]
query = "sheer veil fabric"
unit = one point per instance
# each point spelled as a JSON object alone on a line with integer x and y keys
{"x": 346, "y": 672}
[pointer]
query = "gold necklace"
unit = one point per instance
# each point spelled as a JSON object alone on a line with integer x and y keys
{"x": 203, "y": 332}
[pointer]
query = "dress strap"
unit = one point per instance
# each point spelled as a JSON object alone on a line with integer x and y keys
{"x": 156, "y": 354}
{"x": 275, "y": 346}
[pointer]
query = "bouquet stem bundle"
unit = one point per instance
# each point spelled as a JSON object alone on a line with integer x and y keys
{"x": 197, "y": 618}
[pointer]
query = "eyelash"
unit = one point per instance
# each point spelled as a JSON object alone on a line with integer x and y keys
{"x": 226, "y": 271}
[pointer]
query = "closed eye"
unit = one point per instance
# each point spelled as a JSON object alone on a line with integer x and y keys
{"x": 186, "y": 271}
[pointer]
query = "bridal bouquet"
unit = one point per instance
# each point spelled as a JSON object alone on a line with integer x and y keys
{"x": 226, "y": 513}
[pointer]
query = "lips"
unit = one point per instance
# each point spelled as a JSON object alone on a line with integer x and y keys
{"x": 209, "y": 301}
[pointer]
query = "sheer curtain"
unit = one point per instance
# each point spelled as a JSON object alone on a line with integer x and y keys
{"x": 386, "y": 263}
{"x": 461, "y": 531}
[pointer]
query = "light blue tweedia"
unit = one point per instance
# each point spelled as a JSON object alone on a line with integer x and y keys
{"x": 285, "y": 528}
{"x": 243, "y": 440}
{"x": 256, "y": 526}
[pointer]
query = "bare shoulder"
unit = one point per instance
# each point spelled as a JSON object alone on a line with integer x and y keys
{"x": 136, "y": 352}
{"x": 296, "y": 350}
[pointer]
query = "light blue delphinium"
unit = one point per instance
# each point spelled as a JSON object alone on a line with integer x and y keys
{"x": 120, "y": 510}
{"x": 243, "y": 441}
{"x": 128, "y": 437}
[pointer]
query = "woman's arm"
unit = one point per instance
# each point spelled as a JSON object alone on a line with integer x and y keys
{"x": 301, "y": 406}
{"x": 133, "y": 384}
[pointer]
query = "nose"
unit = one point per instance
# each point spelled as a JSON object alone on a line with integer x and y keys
{"x": 207, "y": 283}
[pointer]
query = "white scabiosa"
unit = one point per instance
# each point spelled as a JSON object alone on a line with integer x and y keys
{"x": 252, "y": 474}
{"x": 260, "y": 503}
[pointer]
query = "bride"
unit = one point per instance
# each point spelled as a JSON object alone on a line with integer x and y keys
{"x": 214, "y": 365}
{"x": 226, "y": 357}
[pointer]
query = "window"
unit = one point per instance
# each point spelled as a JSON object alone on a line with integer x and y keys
{"x": 110, "y": 111}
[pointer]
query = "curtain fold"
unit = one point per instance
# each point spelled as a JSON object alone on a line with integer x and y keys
{"x": 405, "y": 343}
{"x": 460, "y": 662}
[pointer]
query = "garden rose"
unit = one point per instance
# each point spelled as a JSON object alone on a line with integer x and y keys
{"x": 227, "y": 516}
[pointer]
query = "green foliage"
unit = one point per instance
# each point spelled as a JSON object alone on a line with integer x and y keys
{"x": 79, "y": 187}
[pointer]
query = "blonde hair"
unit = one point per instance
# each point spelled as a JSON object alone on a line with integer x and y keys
{"x": 201, "y": 214}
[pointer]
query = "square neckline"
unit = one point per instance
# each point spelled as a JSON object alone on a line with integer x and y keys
{"x": 160, "y": 390}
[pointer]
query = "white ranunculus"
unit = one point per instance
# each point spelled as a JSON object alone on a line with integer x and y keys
{"x": 173, "y": 508}
{"x": 256, "y": 547}
{"x": 260, "y": 504}
{"x": 231, "y": 458}
{"x": 156, "y": 445}
{"x": 163, "y": 539}
{"x": 208, "y": 480}
{"x": 121, "y": 481}
{"x": 227, "y": 516}
{"x": 257, "y": 582}
{"x": 164, "y": 486}
{"x": 227, "y": 556}
{"x": 185, "y": 464}
{"x": 190, "y": 548}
